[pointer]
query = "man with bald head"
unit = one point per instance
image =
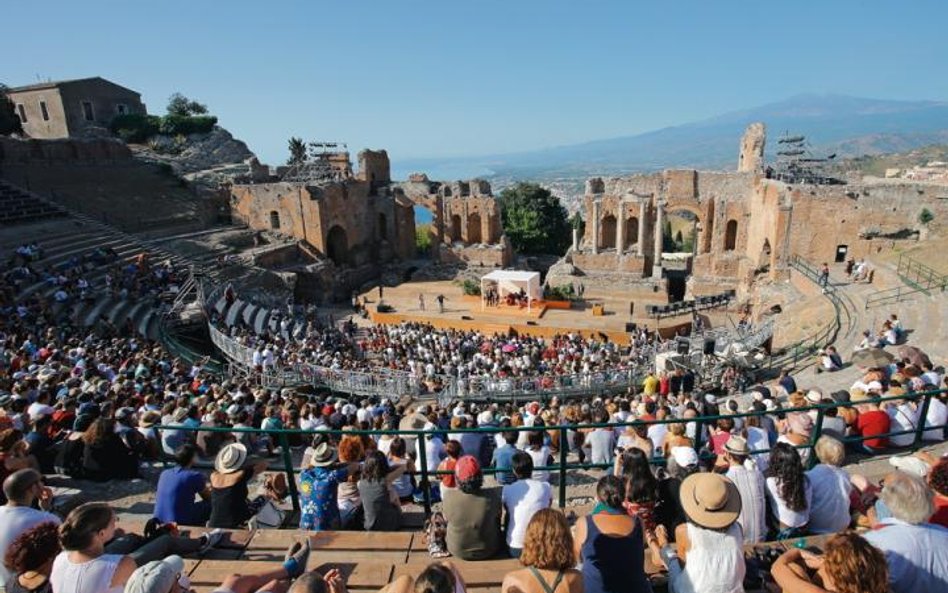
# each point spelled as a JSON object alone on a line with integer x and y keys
{"x": 23, "y": 488}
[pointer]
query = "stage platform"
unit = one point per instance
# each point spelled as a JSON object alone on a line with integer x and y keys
{"x": 600, "y": 312}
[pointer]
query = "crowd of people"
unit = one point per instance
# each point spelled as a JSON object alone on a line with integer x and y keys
{"x": 678, "y": 495}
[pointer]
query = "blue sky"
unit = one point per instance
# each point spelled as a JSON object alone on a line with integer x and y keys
{"x": 447, "y": 78}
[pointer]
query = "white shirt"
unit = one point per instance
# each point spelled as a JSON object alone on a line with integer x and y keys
{"x": 434, "y": 452}
{"x": 15, "y": 521}
{"x": 753, "y": 517}
{"x": 829, "y": 512}
{"x": 937, "y": 416}
{"x": 785, "y": 515}
{"x": 523, "y": 499}
{"x": 903, "y": 417}
{"x": 540, "y": 459}
{"x": 656, "y": 434}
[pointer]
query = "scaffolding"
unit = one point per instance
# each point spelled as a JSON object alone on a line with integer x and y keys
{"x": 797, "y": 164}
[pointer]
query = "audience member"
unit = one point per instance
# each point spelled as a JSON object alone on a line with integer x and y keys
{"x": 848, "y": 564}
{"x": 473, "y": 513}
{"x": 522, "y": 500}
{"x": 177, "y": 488}
{"x": 547, "y": 558}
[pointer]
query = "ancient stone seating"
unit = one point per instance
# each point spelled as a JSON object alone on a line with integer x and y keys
{"x": 18, "y": 206}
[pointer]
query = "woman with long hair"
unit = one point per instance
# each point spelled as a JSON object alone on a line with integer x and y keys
{"x": 30, "y": 559}
{"x": 83, "y": 566}
{"x": 380, "y": 502}
{"x": 641, "y": 487}
{"x": 611, "y": 544}
{"x": 106, "y": 455}
{"x": 849, "y": 564}
{"x": 789, "y": 492}
{"x": 397, "y": 457}
{"x": 547, "y": 558}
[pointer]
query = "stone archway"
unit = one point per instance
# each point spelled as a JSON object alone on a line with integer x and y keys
{"x": 474, "y": 228}
{"x": 631, "y": 231}
{"x": 455, "y": 228}
{"x": 607, "y": 233}
{"x": 730, "y": 235}
{"x": 337, "y": 246}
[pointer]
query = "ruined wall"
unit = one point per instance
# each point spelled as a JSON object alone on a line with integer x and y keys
{"x": 751, "y": 156}
{"x": 67, "y": 151}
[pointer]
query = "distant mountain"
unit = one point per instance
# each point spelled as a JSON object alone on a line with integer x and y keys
{"x": 835, "y": 123}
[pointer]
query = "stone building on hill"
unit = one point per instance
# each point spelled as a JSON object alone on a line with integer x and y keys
{"x": 72, "y": 108}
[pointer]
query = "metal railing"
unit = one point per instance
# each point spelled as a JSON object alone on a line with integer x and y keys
{"x": 916, "y": 278}
{"x": 563, "y": 466}
{"x": 826, "y": 334}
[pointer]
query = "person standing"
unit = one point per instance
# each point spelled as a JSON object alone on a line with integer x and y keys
{"x": 421, "y": 301}
{"x": 440, "y": 298}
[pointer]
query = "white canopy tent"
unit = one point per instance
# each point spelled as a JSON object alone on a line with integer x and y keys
{"x": 512, "y": 282}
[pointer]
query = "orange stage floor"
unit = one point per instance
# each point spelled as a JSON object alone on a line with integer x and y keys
{"x": 545, "y": 319}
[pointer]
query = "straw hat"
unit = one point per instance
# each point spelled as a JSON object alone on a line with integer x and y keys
{"x": 231, "y": 458}
{"x": 323, "y": 455}
{"x": 149, "y": 419}
{"x": 710, "y": 500}
{"x": 737, "y": 445}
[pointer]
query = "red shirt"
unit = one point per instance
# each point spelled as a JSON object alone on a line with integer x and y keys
{"x": 873, "y": 423}
{"x": 448, "y": 466}
{"x": 941, "y": 511}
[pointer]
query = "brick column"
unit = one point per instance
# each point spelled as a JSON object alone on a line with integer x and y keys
{"x": 620, "y": 229}
{"x": 641, "y": 242}
{"x": 659, "y": 221}
{"x": 595, "y": 226}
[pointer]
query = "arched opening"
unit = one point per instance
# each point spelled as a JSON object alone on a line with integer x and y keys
{"x": 337, "y": 246}
{"x": 763, "y": 262}
{"x": 607, "y": 233}
{"x": 383, "y": 227}
{"x": 274, "y": 220}
{"x": 456, "y": 228}
{"x": 730, "y": 235}
{"x": 631, "y": 231}
{"x": 474, "y": 228}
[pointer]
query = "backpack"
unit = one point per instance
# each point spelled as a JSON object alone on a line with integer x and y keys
{"x": 435, "y": 532}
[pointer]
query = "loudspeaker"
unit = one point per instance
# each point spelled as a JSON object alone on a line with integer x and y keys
{"x": 531, "y": 322}
{"x": 630, "y": 328}
{"x": 467, "y": 318}
{"x": 709, "y": 346}
{"x": 682, "y": 346}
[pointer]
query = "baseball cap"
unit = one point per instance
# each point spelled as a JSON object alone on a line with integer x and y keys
{"x": 466, "y": 468}
{"x": 158, "y": 576}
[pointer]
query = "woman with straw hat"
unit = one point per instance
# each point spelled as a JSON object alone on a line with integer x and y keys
{"x": 709, "y": 542}
{"x": 233, "y": 471}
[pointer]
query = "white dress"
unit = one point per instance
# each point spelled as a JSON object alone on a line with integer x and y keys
{"x": 715, "y": 562}
{"x": 93, "y": 576}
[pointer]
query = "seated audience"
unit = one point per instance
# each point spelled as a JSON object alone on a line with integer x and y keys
{"x": 106, "y": 457}
{"x": 547, "y": 558}
{"x": 848, "y": 564}
{"x": 473, "y": 513}
{"x": 789, "y": 493}
{"x": 610, "y": 544}
{"x": 831, "y": 486}
{"x": 642, "y": 496}
{"x": 916, "y": 551}
{"x": 522, "y": 500}
{"x": 710, "y": 543}
{"x": 29, "y": 558}
{"x": 319, "y": 484}
{"x": 748, "y": 480}
{"x": 230, "y": 504}
{"x": 177, "y": 488}
{"x": 380, "y": 503}
{"x": 23, "y": 488}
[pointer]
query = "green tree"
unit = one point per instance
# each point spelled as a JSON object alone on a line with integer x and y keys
{"x": 181, "y": 106}
{"x": 423, "y": 238}
{"x": 297, "y": 150}
{"x": 534, "y": 219}
{"x": 925, "y": 216}
{"x": 9, "y": 122}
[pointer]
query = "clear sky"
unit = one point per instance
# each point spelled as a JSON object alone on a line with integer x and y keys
{"x": 447, "y": 78}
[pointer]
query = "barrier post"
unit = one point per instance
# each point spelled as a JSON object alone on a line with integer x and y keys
{"x": 564, "y": 450}
{"x": 288, "y": 468}
{"x": 920, "y": 425}
{"x": 423, "y": 461}
{"x": 817, "y": 429}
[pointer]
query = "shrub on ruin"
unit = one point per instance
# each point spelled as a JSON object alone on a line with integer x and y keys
{"x": 181, "y": 106}
{"x": 9, "y": 122}
{"x": 173, "y": 125}
{"x": 925, "y": 216}
{"x": 471, "y": 287}
{"x": 135, "y": 128}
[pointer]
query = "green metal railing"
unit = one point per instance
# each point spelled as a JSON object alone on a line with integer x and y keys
{"x": 916, "y": 278}
{"x": 562, "y": 466}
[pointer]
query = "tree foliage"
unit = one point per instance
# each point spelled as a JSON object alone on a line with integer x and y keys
{"x": 179, "y": 105}
{"x": 925, "y": 216}
{"x": 534, "y": 219}
{"x": 9, "y": 122}
{"x": 297, "y": 150}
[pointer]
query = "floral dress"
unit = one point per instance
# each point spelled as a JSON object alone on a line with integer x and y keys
{"x": 318, "y": 488}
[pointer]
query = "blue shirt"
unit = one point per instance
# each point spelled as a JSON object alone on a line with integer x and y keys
{"x": 917, "y": 555}
{"x": 503, "y": 459}
{"x": 319, "y": 508}
{"x": 174, "y": 499}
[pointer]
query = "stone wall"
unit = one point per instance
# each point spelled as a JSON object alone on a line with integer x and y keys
{"x": 90, "y": 151}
